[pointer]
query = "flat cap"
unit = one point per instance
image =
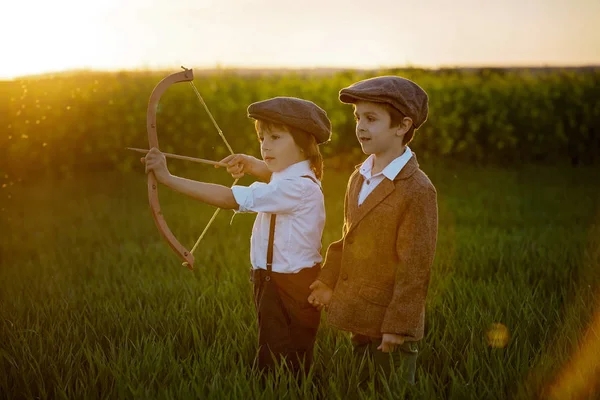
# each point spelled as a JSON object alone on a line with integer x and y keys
{"x": 295, "y": 113}
{"x": 401, "y": 93}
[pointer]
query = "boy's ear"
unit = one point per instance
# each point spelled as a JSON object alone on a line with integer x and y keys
{"x": 404, "y": 126}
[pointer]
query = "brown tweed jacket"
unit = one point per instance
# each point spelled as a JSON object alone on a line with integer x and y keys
{"x": 380, "y": 267}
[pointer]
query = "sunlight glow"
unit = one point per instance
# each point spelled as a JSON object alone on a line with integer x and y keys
{"x": 580, "y": 377}
{"x": 41, "y": 36}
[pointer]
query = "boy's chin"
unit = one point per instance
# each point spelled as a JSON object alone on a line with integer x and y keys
{"x": 366, "y": 150}
{"x": 276, "y": 167}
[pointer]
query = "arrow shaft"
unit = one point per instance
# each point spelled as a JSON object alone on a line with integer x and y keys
{"x": 186, "y": 158}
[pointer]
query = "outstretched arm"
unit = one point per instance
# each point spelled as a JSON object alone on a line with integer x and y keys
{"x": 209, "y": 193}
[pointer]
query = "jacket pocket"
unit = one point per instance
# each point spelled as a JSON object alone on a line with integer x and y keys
{"x": 376, "y": 295}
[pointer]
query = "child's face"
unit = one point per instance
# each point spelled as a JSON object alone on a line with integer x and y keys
{"x": 373, "y": 129}
{"x": 279, "y": 150}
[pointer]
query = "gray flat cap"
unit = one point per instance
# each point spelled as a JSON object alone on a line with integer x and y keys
{"x": 296, "y": 113}
{"x": 402, "y": 94}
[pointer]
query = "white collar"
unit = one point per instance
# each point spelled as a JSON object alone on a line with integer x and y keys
{"x": 391, "y": 170}
{"x": 293, "y": 171}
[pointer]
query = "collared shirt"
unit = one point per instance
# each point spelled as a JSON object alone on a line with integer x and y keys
{"x": 300, "y": 208}
{"x": 390, "y": 171}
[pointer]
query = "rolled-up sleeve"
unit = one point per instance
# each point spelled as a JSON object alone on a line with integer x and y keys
{"x": 280, "y": 197}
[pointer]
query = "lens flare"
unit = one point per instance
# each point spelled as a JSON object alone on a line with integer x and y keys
{"x": 498, "y": 335}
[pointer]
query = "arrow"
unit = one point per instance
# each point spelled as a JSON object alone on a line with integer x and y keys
{"x": 186, "y": 158}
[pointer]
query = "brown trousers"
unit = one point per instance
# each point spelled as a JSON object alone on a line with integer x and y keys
{"x": 287, "y": 322}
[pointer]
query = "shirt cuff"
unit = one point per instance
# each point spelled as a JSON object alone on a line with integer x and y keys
{"x": 242, "y": 196}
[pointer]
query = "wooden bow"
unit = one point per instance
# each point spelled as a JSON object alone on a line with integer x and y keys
{"x": 185, "y": 76}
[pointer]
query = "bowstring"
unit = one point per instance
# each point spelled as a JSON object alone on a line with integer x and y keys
{"x": 230, "y": 150}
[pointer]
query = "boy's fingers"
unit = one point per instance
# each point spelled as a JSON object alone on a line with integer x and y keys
{"x": 223, "y": 161}
{"x": 143, "y": 160}
{"x": 385, "y": 347}
{"x": 232, "y": 159}
{"x": 228, "y": 158}
{"x": 152, "y": 164}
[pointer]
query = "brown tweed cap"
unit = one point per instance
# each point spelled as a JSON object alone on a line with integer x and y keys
{"x": 402, "y": 94}
{"x": 295, "y": 113}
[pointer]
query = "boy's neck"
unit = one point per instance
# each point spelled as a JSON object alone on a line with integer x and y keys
{"x": 380, "y": 161}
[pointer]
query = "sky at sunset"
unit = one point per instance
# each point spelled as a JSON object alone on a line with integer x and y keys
{"x": 45, "y": 36}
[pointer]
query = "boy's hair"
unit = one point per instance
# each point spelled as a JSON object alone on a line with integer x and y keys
{"x": 304, "y": 140}
{"x": 396, "y": 118}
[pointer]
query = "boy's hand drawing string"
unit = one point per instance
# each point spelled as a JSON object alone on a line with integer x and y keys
{"x": 185, "y": 76}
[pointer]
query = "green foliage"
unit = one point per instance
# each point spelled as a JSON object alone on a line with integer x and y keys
{"x": 59, "y": 125}
{"x": 93, "y": 303}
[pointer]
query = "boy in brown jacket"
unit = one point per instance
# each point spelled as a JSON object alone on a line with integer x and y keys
{"x": 374, "y": 280}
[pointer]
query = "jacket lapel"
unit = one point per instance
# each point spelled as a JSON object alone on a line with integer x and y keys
{"x": 383, "y": 190}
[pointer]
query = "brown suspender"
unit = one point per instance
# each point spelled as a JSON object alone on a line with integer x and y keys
{"x": 270, "y": 248}
{"x": 272, "y": 237}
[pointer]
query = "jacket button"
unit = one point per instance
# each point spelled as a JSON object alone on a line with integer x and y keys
{"x": 345, "y": 276}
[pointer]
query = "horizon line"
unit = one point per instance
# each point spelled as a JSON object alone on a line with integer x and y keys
{"x": 242, "y": 68}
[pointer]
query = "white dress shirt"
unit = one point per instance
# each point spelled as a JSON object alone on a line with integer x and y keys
{"x": 300, "y": 208}
{"x": 390, "y": 171}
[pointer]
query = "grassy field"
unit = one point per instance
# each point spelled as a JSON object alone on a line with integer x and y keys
{"x": 93, "y": 304}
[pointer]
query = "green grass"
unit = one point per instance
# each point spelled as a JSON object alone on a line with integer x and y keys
{"x": 93, "y": 304}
